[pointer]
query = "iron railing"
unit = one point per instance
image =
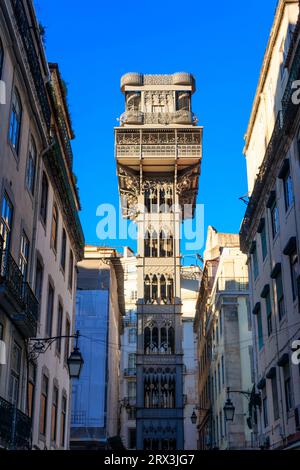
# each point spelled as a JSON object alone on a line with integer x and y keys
{"x": 228, "y": 284}
{"x": 31, "y": 308}
{"x": 15, "y": 426}
{"x": 130, "y": 321}
{"x": 21, "y": 292}
{"x": 11, "y": 276}
{"x": 33, "y": 60}
{"x": 130, "y": 372}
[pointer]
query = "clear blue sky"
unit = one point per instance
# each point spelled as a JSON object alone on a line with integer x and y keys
{"x": 221, "y": 43}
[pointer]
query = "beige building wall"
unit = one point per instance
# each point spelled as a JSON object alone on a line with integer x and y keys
{"x": 24, "y": 316}
{"x": 270, "y": 230}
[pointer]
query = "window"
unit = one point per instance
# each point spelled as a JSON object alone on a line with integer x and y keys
{"x": 44, "y": 199}
{"x": 133, "y": 295}
{"x": 260, "y": 334}
{"x": 54, "y": 227}
{"x": 63, "y": 421}
{"x": 24, "y": 255}
{"x": 275, "y": 397}
{"x": 132, "y": 335}
{"x": 49, "y": 319}
{"x": 31, "y": 388}
{"x": 131, "y": 389}
{"x": 280, "y": 296}
{"x": 274, "y": 219}
{"x": 263, "y": 239}
{"x": 131, "y": 360}
{"x": 159, "y": 340}
{"x": 293, "y": 258}
{"x": 287, "y": 387}
{"x": 255, "y": 263}
{"x": 1, "y": 58}
{"x": 269, "y": 312}
{"x": 63, "y": 249}
{"x": 67, "y": 340}
{"x": 39, "y": 275}
{"x": 59, "y": 326}
{"x": 15, "y": 121}
{"x": 159, "y": 389}
{"x": 219, "y": 378}
{"x": 43, "y": 405}
{"x": 31, "y": 166}
{"x": 54, "y": 414}
{"x": 6, "y": 221}
{"x": 71, "y": 267}
{"x": 288, "y": 190}
{"x": 14, "y": 384}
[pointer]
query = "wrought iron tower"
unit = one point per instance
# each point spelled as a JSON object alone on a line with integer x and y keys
{"x": 158, "y": 148}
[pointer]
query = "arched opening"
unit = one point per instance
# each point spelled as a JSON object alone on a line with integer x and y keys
{"x": 171, "y": 340}
{"x": 147, "y": 340}
{"x": 147, "y": 290}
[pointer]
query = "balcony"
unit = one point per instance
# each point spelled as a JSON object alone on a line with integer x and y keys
{"x": 181, "y": 116}
{"x": 129, "y": 401}
{"x": 130, "y": 372}
{"x": 25, "y": 31}
{"x": 15, "y": 427}
{"x": 129, "y": 321}
{"x": 228, "y": 285}
{"x": 16, "y": 296}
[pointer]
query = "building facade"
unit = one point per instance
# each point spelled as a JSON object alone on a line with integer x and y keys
{"x": 128, "y": 352}
{"x": 271, "y": 227}
{"x": 158, "y": 153}
{"x": 95, "y": 397}
{"x": 41, "y": 237}
{"x": 225, "y": 353}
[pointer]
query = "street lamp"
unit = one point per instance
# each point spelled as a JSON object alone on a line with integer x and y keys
{"x": 229, "y": 410}
{"x": 254, "y": 402}
{"x": 75, "y": 361}
{"x": 194, "y": 417}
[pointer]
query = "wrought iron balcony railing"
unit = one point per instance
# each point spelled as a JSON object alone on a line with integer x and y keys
{"x": 130, "y": 372}
{"x": 19, "y": 301}
{"x": 11, "y": 276}
{"x": 129, "y": 321}
{"x": 26, "y": 33}
{"x": 225, "y": 284}
{"x": 15, "y": 427}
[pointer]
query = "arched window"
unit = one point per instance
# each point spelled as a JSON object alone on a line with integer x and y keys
{"x": 158, "y": 289}
{"x": 1, "y": 58}
{"x": 170, "y": 290}
{"x": 151, "y": 244}
{"x": 166, "y": 244}
{"x": 151, "y": 200}
{"x": 154, "y": 293}
{"x": 163, "y": 289}
{"x": 15, "y": 120}
{"x": 163, "y": 340}
{"x": 147, "y": 290}
{"x": 154, "y": 340}
{"x": 147, "y": 340}
{"x": 171, "y": 340}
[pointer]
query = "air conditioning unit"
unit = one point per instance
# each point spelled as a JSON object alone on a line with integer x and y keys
{"x": 297, "y": 417}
